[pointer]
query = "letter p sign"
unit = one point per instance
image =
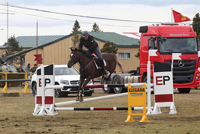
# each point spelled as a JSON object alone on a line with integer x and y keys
{"x": 165, "y": 78}
{"x": 160, "y": 80}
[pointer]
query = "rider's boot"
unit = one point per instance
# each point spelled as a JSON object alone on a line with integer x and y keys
{"x": 104, "y": 69}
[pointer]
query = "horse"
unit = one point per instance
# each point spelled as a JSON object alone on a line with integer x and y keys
{"x": 88, "y": 69}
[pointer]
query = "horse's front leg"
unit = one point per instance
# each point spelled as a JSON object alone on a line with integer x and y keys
{"x": 79, "y": 88}
{"x": 83, "y": 86}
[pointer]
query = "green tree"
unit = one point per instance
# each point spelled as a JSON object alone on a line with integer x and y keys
{"x": 12, "y": 46}
{"x": 75, "y": 32}
{"x": 196, "y": 24}
{"x": 95, "y": 28}
{"x": 138, "y": 53}
{"x": 109, "y": 47}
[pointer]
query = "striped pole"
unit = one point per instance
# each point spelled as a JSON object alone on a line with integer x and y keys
{"x": 95, "y": 108}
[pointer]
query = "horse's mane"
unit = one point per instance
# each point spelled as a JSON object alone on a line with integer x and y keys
{"x": 79, "y": 50}
{"x": 82, "y": 51}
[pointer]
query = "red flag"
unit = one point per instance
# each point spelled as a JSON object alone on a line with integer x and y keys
{"x": 38, "y": 58}
{"x": 178, "y": 17}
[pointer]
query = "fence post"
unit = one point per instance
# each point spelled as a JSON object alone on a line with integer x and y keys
{"x": 25, "y": 90}
{"x": 6, "y": 84}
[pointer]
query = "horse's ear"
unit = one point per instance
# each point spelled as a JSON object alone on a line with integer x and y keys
{"x": 73, "y": 49}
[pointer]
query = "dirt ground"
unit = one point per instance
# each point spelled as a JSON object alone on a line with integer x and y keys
{"x": 16, "y": 117}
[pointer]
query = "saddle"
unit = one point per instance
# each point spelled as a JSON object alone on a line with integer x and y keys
{"x": 97, "y": 62}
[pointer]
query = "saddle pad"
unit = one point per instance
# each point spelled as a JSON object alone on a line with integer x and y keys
{"x": 98, "y": 66}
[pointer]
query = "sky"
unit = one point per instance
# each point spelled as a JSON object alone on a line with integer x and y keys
{"x": 54, "y": 17}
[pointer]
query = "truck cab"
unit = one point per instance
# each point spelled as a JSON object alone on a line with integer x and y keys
{"x": 171, "y": 38}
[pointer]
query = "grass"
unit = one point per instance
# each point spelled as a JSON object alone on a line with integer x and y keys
{"x": 16, "y": 117}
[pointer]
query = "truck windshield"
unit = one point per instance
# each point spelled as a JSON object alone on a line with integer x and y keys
{"x": 178, "y": 45}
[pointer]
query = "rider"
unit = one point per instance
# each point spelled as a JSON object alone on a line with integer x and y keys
{"x": 92, "y": 46}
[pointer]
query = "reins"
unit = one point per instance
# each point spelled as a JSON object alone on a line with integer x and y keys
{"x": 81, "y": 65}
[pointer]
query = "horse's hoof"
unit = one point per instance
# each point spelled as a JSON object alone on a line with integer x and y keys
{"x": 77, "y": 99}
{"x": 81, "y": 99}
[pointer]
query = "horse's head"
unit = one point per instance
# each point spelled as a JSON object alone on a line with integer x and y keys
{"x": 74, "y": 57}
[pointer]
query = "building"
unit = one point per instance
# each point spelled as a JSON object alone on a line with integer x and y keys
{"x": 56, "y": 49}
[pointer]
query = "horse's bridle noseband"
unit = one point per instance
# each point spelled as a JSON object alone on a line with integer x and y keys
{"x": 80, "y": 61}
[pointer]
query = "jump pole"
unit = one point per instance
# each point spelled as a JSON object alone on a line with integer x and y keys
{"x": 94, "y": 108}
{"x": 91, "y": 99}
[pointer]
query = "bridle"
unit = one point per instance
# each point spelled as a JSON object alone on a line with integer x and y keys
{"x": 80, "y": 61}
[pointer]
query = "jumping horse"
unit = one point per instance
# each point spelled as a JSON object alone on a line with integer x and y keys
{"x": 88, "y": 69}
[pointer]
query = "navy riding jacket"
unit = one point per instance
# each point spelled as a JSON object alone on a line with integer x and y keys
{"x": 90, "y": 43}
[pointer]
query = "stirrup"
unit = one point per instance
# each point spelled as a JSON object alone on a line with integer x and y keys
{"x": 106, "y": 75}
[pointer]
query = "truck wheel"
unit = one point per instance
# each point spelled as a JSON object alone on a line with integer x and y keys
{"x": 88, "y": 93}
{"x": 106, "y": 90}
{"x": 184, "y": 90}
{"x": 59, "y": 93}
{"x": 34, "y": 89}
{"x": 118, "y": 80}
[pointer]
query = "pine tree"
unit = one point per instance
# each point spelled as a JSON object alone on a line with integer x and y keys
{"x": 95, "y": 28}
{"x": 12, "y": 46}
{"x": 109, "y": 47}
{"x": 75, "y": 32}
{"x": 196, "y": 24}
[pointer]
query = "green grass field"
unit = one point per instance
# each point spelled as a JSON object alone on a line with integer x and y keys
{"x": 16, "y": 117}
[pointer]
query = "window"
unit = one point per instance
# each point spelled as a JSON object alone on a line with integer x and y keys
{"x": 181, "y": 45}
{"x": 124, "y": 55}
{"x": 65, "y": 71}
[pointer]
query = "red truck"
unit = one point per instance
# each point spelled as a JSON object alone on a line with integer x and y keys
{"x": 167, "y": 38}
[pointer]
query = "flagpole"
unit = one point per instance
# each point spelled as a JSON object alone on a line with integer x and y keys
{"x": 172, "y": 15}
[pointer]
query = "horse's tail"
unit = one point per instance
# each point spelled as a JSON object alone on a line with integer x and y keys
{"x": 120, "y": 66}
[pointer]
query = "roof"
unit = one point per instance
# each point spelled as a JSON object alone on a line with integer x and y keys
{"x": 30, "y": 41}
{"x": 119, "y": 40}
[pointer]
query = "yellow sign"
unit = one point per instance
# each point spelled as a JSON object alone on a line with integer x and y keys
{"x": 135, "y": 100}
